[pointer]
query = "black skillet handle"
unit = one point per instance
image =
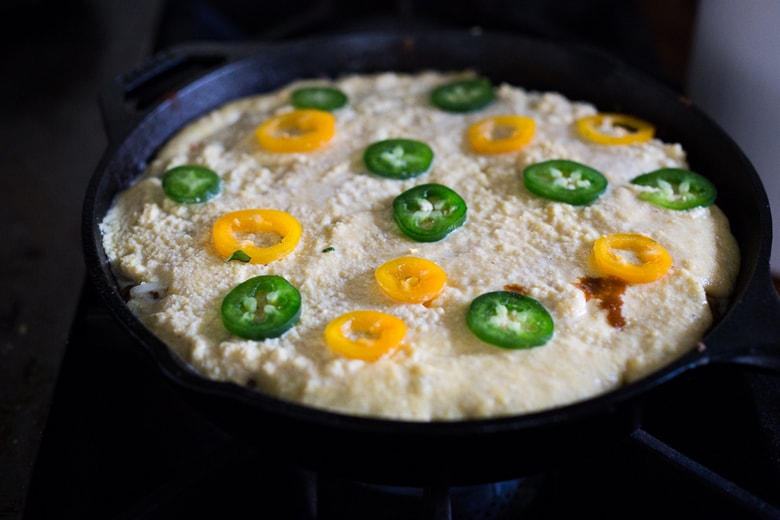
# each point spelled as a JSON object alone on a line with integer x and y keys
{"x": 133, "y": 95}
{"x": 750, "y": 335}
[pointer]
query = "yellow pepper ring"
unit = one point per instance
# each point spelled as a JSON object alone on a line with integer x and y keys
{"x": 411, "y": 280}
{"x": 228, "y": 226}
{"x": 303, "y": 130}
{"x": 593, "y": 128}
{"x": 363, "y": 334}
{"x": 652, "y": 261}
{"x": 501, "y": 134}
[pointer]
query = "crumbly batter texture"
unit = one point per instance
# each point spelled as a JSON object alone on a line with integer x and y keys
{"x": 511, "y": 238}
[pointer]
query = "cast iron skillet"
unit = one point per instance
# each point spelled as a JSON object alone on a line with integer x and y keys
{"x": 139, "y": 121}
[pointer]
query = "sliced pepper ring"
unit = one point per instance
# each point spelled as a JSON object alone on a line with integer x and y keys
{"x": 191, "y": 184}
{"x": 600, "y": 127}
{"x": 647, "y": 260}
{"x": 464, "y": 95}
{"x": 429, "y": 212}
{"x": 303, "y": 130}
{"x": 365, "y": 334}
{"x": 318, "y": 97}
{"x": 676, "y": 188}
{"x": 227, "y": 229}
{"x": 410, "y": 279}
{"x": 398, "y": 158}
{"x": 509, "y": 320}
{"x": 501, "y": 134}
{"x": 262, "y": 307}
{"x": 566, "y": 181}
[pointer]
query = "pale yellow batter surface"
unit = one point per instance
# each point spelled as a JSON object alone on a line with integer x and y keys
{"x": 511, "y": 237}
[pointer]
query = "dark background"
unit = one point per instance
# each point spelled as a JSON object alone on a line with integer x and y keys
{"x": 57, "y": 56}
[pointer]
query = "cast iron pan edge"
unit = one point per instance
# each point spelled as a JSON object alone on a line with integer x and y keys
{"x": 459, "y": 452}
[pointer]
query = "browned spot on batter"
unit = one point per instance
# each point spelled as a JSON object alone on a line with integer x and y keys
{"x": 519, "y": 289}
{"x": 609, "y": 291}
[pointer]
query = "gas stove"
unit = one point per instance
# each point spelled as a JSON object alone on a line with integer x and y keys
{"x": 121, "y": 442}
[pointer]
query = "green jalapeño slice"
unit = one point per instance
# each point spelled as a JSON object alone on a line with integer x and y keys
{"x": 320, "y": 98}
{"x": 676, "y": 188}
{"x": 398, "y": 158}
{"x": 262, "y": 307}
{"x": 509, "y": 320}
{"x": 464, "y": 95}
{"x": 429, "y": 212}
{"x": 191, "y": 184}
{"x": 566, "y": 181}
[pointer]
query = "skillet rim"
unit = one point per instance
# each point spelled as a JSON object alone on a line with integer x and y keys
{"x": 750, "y": 274}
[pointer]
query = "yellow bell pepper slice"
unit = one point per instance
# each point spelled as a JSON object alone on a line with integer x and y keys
{"x": 365, "y": 334}
{"x": 501, "y": 134}
{"x": 236, "y": 231}
{"x": 615, "y": 129}
{"x": 410, "y": 279}
{"x": 632, "y": 258}
{"x": 304, "y": 130}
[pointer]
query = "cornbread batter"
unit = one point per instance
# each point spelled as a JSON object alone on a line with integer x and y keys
{"x": 512, "y": 240}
